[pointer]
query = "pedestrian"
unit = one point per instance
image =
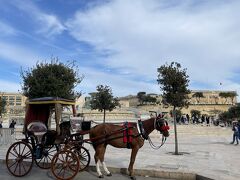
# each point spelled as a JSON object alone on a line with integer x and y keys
{"x": 202, "y": 119}
{"x": 188, "y": 118}
{"x": 207, "y": 120}
{"x": 12, "y": 126}
{"x": 235, "y": 133}
{"x": 238, "y": 125}
{"x": 1, "y": 128}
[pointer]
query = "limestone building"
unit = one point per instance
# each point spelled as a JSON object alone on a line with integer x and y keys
{"x": 211, "y": 103}
{"x": 13, "y": 100}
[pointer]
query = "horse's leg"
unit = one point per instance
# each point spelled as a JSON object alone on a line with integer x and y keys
{"x": 132, "y": 160}
{"x": 97, "y": 161}
{"x": 103, "y": 150}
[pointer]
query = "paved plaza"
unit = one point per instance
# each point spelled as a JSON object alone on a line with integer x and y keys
{"x": 205, "y": 151}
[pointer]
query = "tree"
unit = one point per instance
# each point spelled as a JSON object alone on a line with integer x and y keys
{"x": 150, "y": 99}
{"x": 141, "y": 96}
{"x": 103, "y": 100}
{"x": 198, "y": 96}
{"x": 225, "y": 116}
{"x": 226, "y": 95}
{"x": 178, "y": 113}
{"x": 173, "y": 82}
{"x": 234, "y": 112}
{"x": 2, "y": 105}
{"x": 54, "y": 79}
{"x": 232, "y": 95}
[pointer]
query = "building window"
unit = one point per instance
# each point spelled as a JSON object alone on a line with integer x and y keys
{"x": 18, "y": 103}
{"x": 11, "y": 98}
{"x": 4, "y": 97}
{"x": 18, "y": 98}
{"x": 11, "y": 103}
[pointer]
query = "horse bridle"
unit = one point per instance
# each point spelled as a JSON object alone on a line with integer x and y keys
{"x": 159, "y": 127}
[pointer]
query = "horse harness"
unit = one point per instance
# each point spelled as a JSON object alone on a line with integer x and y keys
{"x": 127, "y": 135}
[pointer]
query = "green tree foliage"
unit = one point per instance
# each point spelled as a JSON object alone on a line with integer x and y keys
{"x": 141, "y": 96}
{"x": 232, "y": 113}
{"x": 173, "y": 82}
{"x": 149, "y": 99}
{"x": 2, "y": 105}
{"x": 225, "y": 116}
{"x": 198, "y": 96}
{"x": 226, "y": 95}
{"x": 178, "y": 113}
{"x": 103, "y": 100}
{"x": 54, "y": 79}
{"x": 145, "y": 99}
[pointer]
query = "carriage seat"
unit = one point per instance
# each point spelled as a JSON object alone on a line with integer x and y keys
{"x": 38, "y": 129}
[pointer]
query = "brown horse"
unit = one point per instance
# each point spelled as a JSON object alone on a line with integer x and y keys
{"x": 104, "y": 134}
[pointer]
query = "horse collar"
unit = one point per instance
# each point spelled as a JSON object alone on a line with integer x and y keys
{"x": 142, "y": 130}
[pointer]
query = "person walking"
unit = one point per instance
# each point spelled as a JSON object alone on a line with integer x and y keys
{"x": 235, "y": 133}
{"x": 208, "y": 120}
{"x": 238, "y": 125}
{"x": 1, "y": 128}
{"x": 12, "y": 126}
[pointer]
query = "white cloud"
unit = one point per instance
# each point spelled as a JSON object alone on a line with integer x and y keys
{"x": 19, "y": 54}
{"x": 49, "y": 24}
{"x": 6, "y": 29}
{"x": 121, "y": 86}
{"x": 144, "y": 34}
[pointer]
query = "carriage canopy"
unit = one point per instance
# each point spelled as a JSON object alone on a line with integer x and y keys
{"x": 39, "y": 109}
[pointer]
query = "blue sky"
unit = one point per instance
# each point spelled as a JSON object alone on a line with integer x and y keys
{"x": 121, "y": 43}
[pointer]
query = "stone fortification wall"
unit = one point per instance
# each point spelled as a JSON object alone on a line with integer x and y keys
{"x": 117, "y": 114}
{"x": 209, "y": 109}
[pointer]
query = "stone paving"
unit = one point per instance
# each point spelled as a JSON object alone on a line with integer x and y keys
{"x": 205, "y": 151}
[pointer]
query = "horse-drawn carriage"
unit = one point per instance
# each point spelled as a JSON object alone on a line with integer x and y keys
{"x": 57, "y": 149}
{"x": 63, "y": 151}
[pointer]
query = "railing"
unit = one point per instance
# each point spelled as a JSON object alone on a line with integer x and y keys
{"x": 7, "y": 136}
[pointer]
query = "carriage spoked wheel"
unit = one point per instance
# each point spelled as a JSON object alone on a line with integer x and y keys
{"x": 65, "y": 165}
{"x": 47, "y": 153}
{"x": 83, "y": 155}
{"x": 19, "y": 159}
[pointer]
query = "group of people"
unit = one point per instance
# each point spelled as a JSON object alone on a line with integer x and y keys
{"x": 236, "y": 131}
{"x": 11, "y": 125}
{"x": 185, "y": 119}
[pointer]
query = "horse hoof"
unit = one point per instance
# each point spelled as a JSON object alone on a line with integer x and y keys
{"x": 100, "y": 176}
{"x": 110, "y": 174}
{"x": 133, "y": 177}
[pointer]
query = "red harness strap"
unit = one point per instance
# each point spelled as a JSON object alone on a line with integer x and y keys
{"x": 127, "y": 133}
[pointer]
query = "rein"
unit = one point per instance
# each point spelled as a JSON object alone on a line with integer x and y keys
{"x": 157, "y": 147}
{"x": 142, "y": 131}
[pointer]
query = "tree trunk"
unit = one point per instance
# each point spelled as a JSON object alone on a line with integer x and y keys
{"x": 104, "y": 115}
{"x": 175, "y": 130}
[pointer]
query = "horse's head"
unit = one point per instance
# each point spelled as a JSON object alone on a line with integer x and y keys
{"x": 162, "y": 125}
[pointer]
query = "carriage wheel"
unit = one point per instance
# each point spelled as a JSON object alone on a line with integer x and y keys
{"x": 83, "y": 155}
{"x": 65, "y": 165}
{"x": 47, "y": 155}
{"x": 19, "y": 159}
